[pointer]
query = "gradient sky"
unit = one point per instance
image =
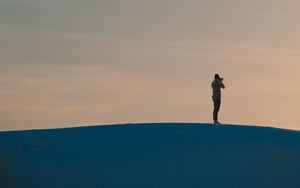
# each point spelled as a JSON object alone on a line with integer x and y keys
{"x": 67, "y": 63}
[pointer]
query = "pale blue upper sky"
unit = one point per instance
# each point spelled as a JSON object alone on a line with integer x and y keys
{"x": 71, "y": 62}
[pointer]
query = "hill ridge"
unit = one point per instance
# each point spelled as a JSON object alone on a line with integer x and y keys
{"x": 151, "y": 155}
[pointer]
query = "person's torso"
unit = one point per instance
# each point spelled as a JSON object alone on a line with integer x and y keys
{"x": 216, "y": 88}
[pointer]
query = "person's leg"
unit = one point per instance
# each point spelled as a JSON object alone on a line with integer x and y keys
{"x": 217, "y": 104}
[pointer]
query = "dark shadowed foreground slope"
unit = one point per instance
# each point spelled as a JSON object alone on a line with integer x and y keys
{"x": 151, "y": 156}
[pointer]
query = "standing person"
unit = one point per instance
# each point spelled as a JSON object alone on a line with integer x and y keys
{"x": 216, "y": 85}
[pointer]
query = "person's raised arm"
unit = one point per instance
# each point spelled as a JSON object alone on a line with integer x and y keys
{"x": 222, "y": 86}
{"x": 221, "y": 83}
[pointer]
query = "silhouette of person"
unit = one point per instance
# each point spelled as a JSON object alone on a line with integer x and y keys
{"x": 216, "y": 85}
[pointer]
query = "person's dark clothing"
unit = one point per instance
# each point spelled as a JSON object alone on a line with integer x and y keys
{"x": 217, "y": 104}
{"x": 216, "y": 87}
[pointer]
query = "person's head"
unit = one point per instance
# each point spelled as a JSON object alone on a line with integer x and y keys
{"x": 217, "y": 77}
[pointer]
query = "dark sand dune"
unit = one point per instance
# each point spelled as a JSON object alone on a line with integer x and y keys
{"x": 166, "y": 155}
